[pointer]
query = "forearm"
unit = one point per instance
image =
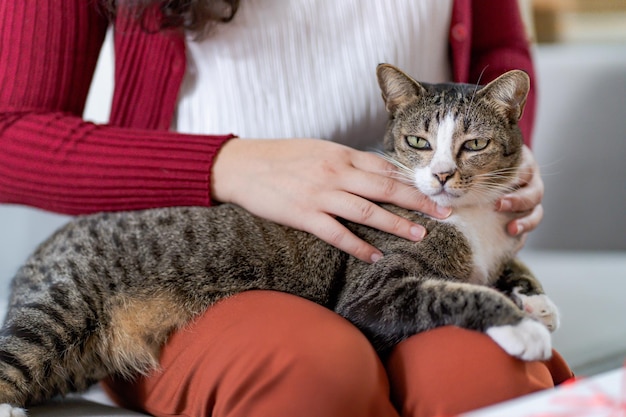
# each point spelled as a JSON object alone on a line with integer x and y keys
{"x": 52, "y": 159}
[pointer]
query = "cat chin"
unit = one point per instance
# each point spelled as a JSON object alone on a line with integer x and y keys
{"x": 449, "y": 200}
{"x": 458, "y": 201}
{"x": 444, "y": 201}
{"x": 441, "y": 197}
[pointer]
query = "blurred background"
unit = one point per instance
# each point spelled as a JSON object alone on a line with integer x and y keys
{"x": 579, "y": 251}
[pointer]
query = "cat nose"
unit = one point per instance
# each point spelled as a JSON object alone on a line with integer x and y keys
{"x": 443, "y": 177}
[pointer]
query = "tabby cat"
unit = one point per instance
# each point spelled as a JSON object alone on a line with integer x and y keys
{"x": 103, "y": 293}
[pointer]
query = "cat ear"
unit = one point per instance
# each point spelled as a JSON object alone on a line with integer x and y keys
{"x": 508, "y": 93}
{"x": 396, "y": 87}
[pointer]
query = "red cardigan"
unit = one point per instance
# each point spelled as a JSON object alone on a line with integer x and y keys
{"x": 52, "y": 159}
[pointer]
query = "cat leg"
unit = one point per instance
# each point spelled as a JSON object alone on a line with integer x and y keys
{"x": 138, "y": 328}
{"x": 40, "y": 357}
{"x": 519, "y": 284}
{"x": 44, "y": 352}
{"x": 406, "y": 306}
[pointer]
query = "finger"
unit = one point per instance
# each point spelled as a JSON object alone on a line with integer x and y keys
{"x": 526, "y": 223}
{"x": 529, "y": 181}
{"x": 525, "y": 174}
{"x": 528, "y": 168}
{"x": 334, "y": 233}
{"x": 521, "y": 242}
{"x": 368, "y": 161}
{"x": 524, "y": 198}
{"x": 406, "y": 196}
{"x": 363, "y": 211}
{"x": 379, "y": 187}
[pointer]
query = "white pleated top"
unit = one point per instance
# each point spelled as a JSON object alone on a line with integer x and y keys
{"x": 306, "y": 68}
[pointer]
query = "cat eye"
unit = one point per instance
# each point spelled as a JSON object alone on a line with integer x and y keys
{"x": 476, "y": 144}
{"x": 418, "y": 142}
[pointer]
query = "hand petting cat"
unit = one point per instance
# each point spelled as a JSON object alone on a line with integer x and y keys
{"x": 306, "y": 184}
{"x": 526, "y": 200}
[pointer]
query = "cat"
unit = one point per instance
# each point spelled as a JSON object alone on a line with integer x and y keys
{"x": 103, "y": 293}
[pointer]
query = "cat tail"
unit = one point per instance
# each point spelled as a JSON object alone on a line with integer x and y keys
{"x": 48, "y": 340}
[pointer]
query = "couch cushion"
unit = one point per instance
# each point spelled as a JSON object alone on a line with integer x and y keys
{"x": 588, "y": 288}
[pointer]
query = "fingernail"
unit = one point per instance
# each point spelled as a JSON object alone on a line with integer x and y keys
{"x": 444, "y": 212}
{"x": 515, "y": 229}
{"x": 504, "y": 205}
{"x": 376, "y": 257}
{"x": 417, "y": 232}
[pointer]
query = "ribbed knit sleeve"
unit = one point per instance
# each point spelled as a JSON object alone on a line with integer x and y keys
{"x": 52, "y": 159}
{"x": 499, "y": 44}
{"x": 488, "y": 38}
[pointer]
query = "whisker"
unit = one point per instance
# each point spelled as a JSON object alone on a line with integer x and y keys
{"x": 486, "y": 186}
{"x": 493, "y": 190}
{"x": 469, "y": 108}
{"x": 546, "y": 168}
{"x": 403, "y": 173}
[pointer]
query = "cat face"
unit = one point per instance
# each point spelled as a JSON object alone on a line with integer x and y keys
{"x": 458, "y": 144}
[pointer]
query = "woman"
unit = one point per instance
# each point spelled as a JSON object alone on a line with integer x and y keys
{"x": 279, "y": 70}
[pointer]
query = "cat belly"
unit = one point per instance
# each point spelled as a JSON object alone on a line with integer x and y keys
{"x": 491, "y": 245}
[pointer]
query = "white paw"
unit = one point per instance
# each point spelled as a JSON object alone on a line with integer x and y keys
{"x": 528, "y": 340}
{"x": 7, "y": 410}
{"x": 541, "y": 308}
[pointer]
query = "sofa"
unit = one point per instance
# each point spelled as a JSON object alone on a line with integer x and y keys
{"x": 579, "y": 252}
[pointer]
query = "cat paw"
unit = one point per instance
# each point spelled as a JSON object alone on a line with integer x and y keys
{"x": 541, "y": 308}
{"x": 7, "y": 410}
{"x": 528, "y": 340}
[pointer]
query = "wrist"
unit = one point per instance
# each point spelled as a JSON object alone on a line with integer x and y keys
{"x": 222, "y": 172}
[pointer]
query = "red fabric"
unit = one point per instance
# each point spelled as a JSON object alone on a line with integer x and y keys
{"x": 449, "y": 370}
{"x": 488, "y": 38}
{"x": 264, "y": 353}
{"x": 50, "y": 158}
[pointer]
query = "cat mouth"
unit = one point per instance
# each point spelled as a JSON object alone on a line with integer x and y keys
{"x": 445, "y": 198}
{"x": 445, "y": 193}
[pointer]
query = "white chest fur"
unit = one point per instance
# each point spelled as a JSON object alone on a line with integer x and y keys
{"x": 485, "y": 230}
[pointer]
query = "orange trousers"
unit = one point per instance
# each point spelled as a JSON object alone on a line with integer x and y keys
{"x": 264, "y": 353}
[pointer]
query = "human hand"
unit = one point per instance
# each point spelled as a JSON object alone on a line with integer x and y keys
{"x": 525, "y": 202}
{"x": 307, "y": 183}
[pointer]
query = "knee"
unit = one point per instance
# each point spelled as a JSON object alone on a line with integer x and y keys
{"x": 265, "y": 354}
{"x": 332, "y": 359}
{"x": 451, "y": 370}
{"x": 323, "y": 365}
{"x": 293, "y": 357}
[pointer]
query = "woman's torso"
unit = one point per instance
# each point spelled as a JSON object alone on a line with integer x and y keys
{"x": 306, "y": 68}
